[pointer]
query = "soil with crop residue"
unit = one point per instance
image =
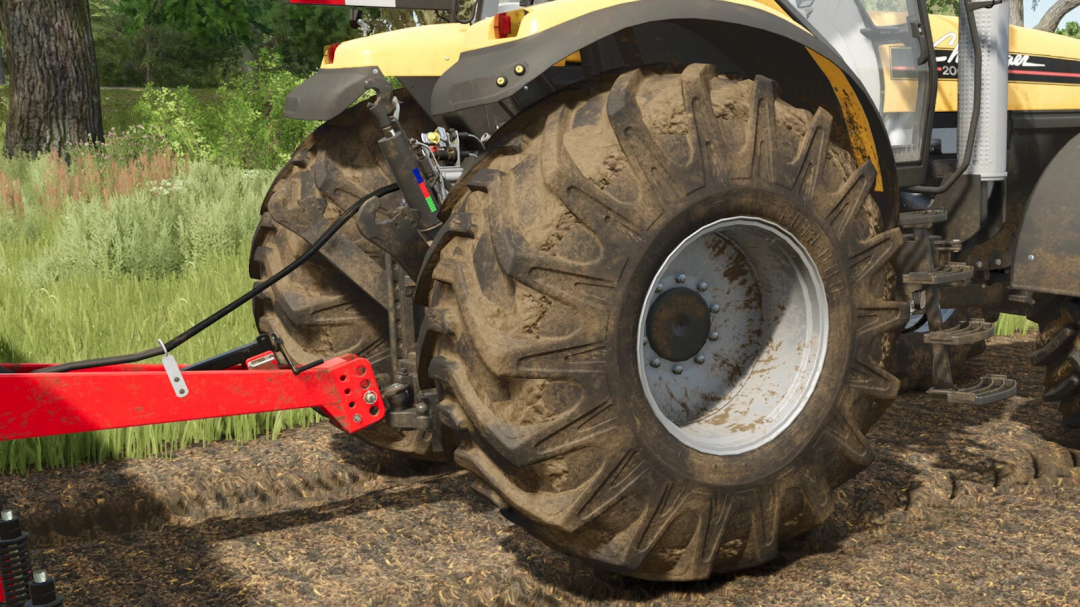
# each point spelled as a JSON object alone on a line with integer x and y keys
{"x": 963, "y": 506}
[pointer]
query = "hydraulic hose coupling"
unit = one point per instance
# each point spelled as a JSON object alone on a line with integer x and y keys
{"x": 14, "y": 561}
{"x": 43, "y": 591}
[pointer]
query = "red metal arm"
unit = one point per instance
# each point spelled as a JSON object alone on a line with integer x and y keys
{"x": 45, "y": 404}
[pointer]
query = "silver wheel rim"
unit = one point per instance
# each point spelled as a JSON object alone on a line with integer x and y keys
{"x": 768, "y": 335}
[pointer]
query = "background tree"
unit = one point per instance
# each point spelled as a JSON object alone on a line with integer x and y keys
{"x": 54, "y": 98}
{"x": 1052, "y": 19}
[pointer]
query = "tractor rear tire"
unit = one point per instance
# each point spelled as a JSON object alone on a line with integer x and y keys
{"x": 539, "y": 348}
{"x": 1058, "y": 349}
{"x": 317, "y": 310}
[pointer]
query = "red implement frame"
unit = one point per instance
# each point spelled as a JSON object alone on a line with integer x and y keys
{"x": 45, "y": 404}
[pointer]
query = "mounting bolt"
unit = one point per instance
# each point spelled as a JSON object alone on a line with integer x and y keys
{"x": 356, "y": 418}
{"x": 519, "y": 70}
{"x": 6, "y": 515}
{"x": 714, "y": 336}
{"x": 677, "y": 370}
{"x": 997, "y": 262}
{"x": 655, "y": 362}
{"x": 659, "y": 288}
{"x": 978, "y": 264}
{"x": 699, "y": 359}
{"x": 370, "y": 397}
{"x": 714, "y": 308}
{"x": 1031, "y": 258}
{"x": 680, "y": 278}
{"x": 421, "y": 408}
{"x": 701, "y": 286}
{"x": 500, "y": 81}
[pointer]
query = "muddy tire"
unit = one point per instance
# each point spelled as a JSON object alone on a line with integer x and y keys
{"x": 541, "y": 314}
{"x": 1058, "y": 349}
{"x": 317, "y": 310}
{"x": 912, "y": 360}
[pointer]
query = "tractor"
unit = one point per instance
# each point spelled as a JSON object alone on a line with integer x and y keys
{"x": 650, "y": 270}
{"x": 672, "y": 257}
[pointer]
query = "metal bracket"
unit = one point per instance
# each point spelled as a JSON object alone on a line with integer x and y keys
{"x": 399, "y": 236}
{"x": 172, "y": 370}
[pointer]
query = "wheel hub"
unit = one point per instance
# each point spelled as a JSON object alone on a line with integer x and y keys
{"x": 677, "y": 325}
{"x": 733, "y": 335}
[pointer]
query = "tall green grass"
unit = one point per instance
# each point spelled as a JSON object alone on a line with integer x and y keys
{"x": 99, "y": 277}
{"x": 1010, "y": 324}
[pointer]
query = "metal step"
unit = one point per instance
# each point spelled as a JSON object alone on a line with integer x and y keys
{"x": 990, "y": 389}
{"x": 970, "y": 331}
{"x": 946, "y": 274}
{"x": 911, "y": 219}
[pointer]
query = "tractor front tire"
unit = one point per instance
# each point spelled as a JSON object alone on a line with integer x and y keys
{"x": 317, "y": 311}
{"x": 563, "y": 392}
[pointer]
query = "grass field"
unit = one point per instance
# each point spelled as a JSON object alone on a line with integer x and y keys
{"x": 90, "y": 272}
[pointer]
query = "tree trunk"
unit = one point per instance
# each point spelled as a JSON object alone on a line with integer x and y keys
{"x": 1016, "y": 12}
{"x": 54, "y": 99}
{"x": 3, "y": 64}
{"x": 1057, "y": 12}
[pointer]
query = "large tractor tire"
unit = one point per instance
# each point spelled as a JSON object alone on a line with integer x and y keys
{"x": 662, "y": 344}
{"x": 318, "y": 310}
{"x": 1058, "y": 349}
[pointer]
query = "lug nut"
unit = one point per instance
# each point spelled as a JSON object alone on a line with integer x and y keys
{"x": 714, "y": 308}
{"x": 680, "y": 278}
{"x": 677, "y": 370}
{"x": 714, "y": 336}
{"x": 701, "y": 286}
{"x": 699, "y": 359}
{"x": 659, "y": 288}
{"x": 997, "y": 262}
{"x": 655, "y": 362}
{"x": 371, "y": 398}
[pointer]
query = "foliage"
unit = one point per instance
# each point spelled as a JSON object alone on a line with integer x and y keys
{"x": 1071, "y": 29}
{"x": 244, "y": 126}
{"x": 95, "y": 278}
{"x": 135, "y": 45}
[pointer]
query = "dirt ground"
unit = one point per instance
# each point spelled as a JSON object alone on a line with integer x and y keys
{"x": 964, "y": 505}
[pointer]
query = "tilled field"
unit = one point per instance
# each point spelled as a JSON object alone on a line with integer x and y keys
{"x": 963, "y": 505}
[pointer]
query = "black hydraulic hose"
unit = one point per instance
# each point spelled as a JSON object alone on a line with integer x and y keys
{"x": 175, "y": 342}
{"x": 976, "y": 47}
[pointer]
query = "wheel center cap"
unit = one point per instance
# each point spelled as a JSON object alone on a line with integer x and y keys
{"x": 677, "y": 325}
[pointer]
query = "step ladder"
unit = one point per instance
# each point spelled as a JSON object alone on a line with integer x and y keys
{"x": 932, "y": 278}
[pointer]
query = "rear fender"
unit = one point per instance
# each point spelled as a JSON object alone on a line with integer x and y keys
{"x": 739, "y": 37}
{"x": 1047, "y": 256}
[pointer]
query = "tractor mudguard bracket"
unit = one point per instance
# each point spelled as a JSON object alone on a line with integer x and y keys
{"x": 46, "y": 404}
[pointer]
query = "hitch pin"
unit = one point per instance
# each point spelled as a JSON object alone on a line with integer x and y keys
{"x": 176, "y": 380}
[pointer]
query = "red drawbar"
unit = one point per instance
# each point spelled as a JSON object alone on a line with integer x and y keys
{"x": 45, "y": 404}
